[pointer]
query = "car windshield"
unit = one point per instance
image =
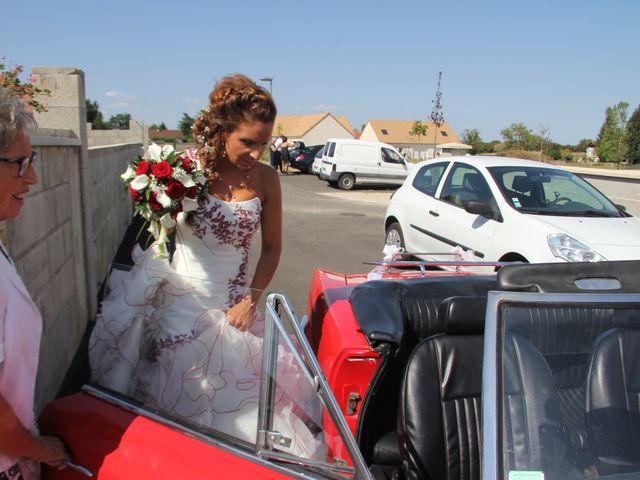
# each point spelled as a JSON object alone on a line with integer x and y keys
{"x": 568, "y": 371}
{"x": 549, "y": 191}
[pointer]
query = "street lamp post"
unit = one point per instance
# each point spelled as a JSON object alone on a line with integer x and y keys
{"x": 270, "y": 80}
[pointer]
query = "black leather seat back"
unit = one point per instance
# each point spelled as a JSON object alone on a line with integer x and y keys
{"x": 613, "y": 399}
{"x": 395, "y": 316}
{"x": 534, "y": 434}
{"x": 439, "y": 424}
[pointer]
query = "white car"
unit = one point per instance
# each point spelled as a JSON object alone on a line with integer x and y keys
{"x": 317, "y": 162}
{"x": 507, "y": 209}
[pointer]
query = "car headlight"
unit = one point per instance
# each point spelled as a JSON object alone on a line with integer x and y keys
{"x": 572, "y": 250}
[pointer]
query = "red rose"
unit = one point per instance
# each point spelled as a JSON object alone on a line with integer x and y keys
{"x": 175, "y": 190}
{"x": 135, "y": 194}
{"x": 153, "y": 202}
{"x": 142, "y": 168}
{"x": 161, "y": 169}
{"x": 188, "y": 165}
{"x": 192, "y": 192}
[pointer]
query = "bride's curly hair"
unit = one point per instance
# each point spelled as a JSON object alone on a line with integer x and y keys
{"x": 234, "y": 100}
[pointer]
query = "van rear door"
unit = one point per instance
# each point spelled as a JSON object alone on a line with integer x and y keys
{"x": 327, "y": 160}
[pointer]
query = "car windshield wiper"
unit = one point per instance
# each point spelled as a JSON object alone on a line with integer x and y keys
{"x": 592, "y": 213}
{"x": 568, "y": 213}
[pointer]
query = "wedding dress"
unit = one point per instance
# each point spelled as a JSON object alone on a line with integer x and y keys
{"x": 163, "y": 338}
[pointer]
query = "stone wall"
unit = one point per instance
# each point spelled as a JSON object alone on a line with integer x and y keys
{"x": 137, "y": 133}
{"x": 71, "y": 225}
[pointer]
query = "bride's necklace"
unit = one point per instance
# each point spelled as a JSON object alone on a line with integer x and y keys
{"x": 232, "y": 188}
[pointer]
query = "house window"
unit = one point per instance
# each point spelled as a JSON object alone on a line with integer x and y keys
{"x": 384, "y": 131}
{"x": 444, "y": 134}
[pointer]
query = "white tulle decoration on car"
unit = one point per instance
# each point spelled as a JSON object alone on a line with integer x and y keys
{"x": 390, "y": 253}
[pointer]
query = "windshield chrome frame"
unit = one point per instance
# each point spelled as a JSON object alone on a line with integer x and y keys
{"x": 491, "y": 456}
{"x": 286, "y": 324}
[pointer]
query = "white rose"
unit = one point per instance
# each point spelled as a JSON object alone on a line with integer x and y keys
{"x": 163, "y": 199}
{"x": 184, "y": 178}
{"x": 167, "y": 150}
{"x": 140, "y": 182}
{"x": 189, "y": 204}
{"x": 167, "y": 221}
{"x": 154, "y": 153}
{"x": 128, "y": 174}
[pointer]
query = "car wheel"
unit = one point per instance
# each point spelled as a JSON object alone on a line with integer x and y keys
{"x": 394, "y": 235}
{"x": 346, "y": 181}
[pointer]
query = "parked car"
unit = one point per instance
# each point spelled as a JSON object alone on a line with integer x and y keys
{"x": 317, "y": 162}
{"x": 506, "y": 209}
{"x": 346, "y": 162}
{"x": 400, "y": 362}
{"x": 302, "y": 157}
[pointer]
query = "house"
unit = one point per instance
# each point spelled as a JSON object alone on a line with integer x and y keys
{"x": 398, "y": 134}
{"x": 165, "y": 135}
{"x": 313, "y": 129}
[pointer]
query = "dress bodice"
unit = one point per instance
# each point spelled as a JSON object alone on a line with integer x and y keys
{"x": 212, "y": 247}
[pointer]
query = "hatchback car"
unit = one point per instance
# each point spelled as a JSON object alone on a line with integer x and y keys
{"x": 302, "y": 158}
{"x": 506, "y": 209}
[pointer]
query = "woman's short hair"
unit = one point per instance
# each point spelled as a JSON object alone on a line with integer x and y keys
{"x": 234, "y": 100}
{"x": 15, "y": 119}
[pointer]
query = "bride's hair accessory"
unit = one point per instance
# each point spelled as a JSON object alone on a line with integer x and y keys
{"x": 234, "y": 100}
{"x": 163, "y": 183}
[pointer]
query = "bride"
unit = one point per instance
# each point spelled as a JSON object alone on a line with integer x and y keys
{"x": 184, "y": 337}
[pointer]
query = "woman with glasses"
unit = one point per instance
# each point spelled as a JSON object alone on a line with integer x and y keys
{"x": 21, "y": 447}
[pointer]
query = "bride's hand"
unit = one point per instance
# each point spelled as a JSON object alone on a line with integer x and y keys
{"x": 242, "y": 314}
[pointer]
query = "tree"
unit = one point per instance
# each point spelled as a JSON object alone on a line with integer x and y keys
{"x": 611, "y": 146}
{"x": 155, "y": 126}
{"x": 518, "y": 136}
{"x": 185, "y": 125}
{"x": 632, "y": 137}
{"x": 94, "y": 115}
{"x": 437, "y": 117}
{"x": 544, "y": 138}
{"x": 119, "y": 121}
{"x": 583, "y": 144}
{"x": 27, "y": 91}
{"x": 472, "y": 137}
{"x": 418, "y": 128}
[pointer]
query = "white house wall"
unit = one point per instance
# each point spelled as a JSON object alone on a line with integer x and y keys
{"x": 329, "y": 127}
{"x": 369, "y": 134}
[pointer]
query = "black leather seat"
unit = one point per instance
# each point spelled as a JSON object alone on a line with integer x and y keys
{"x": 439, "y": 426}
{"x": 613, "y": 398}
{"x": 535, "y": 436}
{"x": 394, "y": 316}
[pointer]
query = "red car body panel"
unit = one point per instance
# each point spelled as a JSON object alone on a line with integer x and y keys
{"x": 115, "y": 443}
{"x": 343, "y": 352}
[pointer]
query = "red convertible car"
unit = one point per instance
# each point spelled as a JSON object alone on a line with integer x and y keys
{"x": 530, "y": 373}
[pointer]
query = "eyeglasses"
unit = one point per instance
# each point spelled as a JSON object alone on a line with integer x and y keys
{"x": 23, "y": 162}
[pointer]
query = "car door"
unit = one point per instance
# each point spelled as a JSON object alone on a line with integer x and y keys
{"x": 452, "y": 225}
{"x": 392, "y": 166}
{"x": 418, "y": 201}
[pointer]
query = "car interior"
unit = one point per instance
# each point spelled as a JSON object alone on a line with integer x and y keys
{"x": 565, "y": 417}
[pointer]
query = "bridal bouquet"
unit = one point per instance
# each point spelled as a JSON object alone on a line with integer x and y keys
{"x": 163, "y": 183}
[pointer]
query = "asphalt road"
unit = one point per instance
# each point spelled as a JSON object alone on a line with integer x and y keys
{"x": 325, "y": 228}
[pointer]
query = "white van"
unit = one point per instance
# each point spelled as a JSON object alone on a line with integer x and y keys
{"x": 347, "y": 162}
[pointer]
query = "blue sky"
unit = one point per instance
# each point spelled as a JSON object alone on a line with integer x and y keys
{"x": 556, "y": 64}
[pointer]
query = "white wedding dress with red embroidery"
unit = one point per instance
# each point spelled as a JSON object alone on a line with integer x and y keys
{"x": 163, "y": 337}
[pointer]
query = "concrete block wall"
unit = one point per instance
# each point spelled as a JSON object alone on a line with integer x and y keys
{"x": 111, "y": 207}
{"x": 71, "y": 224}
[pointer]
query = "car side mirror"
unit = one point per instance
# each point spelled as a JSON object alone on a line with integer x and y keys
{"x": 621, "y": 207}
{"x": 479, "y": 207}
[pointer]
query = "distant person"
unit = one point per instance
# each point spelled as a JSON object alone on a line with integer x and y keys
{"x": 21, "y": 447}
{"x": 284, "y": 155}
{"x": 274, "y": 153}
